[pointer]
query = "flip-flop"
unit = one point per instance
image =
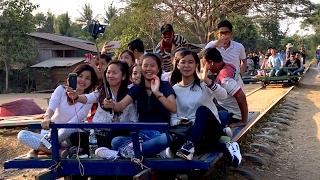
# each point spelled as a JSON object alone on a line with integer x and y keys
{"x": 32, "y": 154}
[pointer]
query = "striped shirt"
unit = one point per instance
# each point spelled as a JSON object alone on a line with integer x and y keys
{"x": 166, "y": 56}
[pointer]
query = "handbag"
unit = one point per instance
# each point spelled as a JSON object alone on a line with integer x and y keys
{"x": 178, "y": 134}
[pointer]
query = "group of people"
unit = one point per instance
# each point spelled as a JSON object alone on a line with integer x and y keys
{"x": 201, "y": 96}
{"x": 274, "y": 63}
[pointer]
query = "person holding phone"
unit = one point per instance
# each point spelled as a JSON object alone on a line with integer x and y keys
{"x": 155, "y": 100}
{"x": 117, "y": 78}
{"x": 62, "y": 109}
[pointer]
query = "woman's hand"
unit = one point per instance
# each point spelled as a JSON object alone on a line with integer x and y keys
{"x": 155, "y": 84}
{"x": 45, "y": 123}
{"x": 108, "y": 103}
{"x": 106, "y": 48}
{"x": 204, "y": 68}
{"x": 72, "y": 94}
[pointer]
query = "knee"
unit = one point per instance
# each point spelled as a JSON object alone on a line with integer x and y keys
{"x": 202, "y": 110}
{"x": 22, "y": 135}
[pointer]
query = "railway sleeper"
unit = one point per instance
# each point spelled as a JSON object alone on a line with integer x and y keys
{"x": 267, "y": 137}
{"x": 291, "y": 102}
{"x": 270, "y": 131}
{"x": 285, "y": 111}
{"x": 263, "y": 147}
{"x": 254, "y": 159}
{"x": 280, "y": 126}
{"x": 283, "y": 115}
{"x": 281, "y": 120}
{"x": 248, "y": 174}
{"x": 288, "y": 108}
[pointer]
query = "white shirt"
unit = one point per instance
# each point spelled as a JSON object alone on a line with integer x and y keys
{"x": 190, "y": 99}
{"x": 129, "y": 114}
{"x": 65, "y": 113}
{"x": 232, "y": 55}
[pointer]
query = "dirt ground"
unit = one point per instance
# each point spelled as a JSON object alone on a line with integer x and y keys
{"x": 296, "y": 151}
{"x": 296, "y": 155}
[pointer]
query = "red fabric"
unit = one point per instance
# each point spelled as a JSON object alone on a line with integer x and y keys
{"x": 20, "y": 107}
{"x": 92, "y": 112}
{"x": 165, "y": 47}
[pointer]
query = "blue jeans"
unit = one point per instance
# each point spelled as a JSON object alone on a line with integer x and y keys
{"x": 206, "y": 131}
{"x": 153, "y": 142}
{"x": 276, "y": 72}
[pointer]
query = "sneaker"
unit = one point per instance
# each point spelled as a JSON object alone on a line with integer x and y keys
{"x": 227, "y": 131}
{"x": 106, "y": 153}
{"x": 236, "y": 154}
{"x": 127, "y": 151}
{"x": 224, "y": 139}
{"x": 232, "y": 150}
{"x": 186, "y": 151}
{"x": 166, "y": 154}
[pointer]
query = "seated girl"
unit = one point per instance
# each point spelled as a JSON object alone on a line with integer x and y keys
{"x": 62, "y": 110}
{"x": 155, "y": 101}
{"x": 117, "y": 77}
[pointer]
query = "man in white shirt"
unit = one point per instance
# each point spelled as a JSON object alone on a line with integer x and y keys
{"x": 231, "y": 51}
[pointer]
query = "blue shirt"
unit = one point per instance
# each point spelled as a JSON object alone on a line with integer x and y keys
{"x": 149, "y": 108}
{"x": 276, "y": 62}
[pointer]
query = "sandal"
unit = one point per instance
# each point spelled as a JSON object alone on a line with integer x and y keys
{"x": 32, "y": 154}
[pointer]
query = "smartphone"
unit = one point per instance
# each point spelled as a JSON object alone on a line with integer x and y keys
{"x": 114, "y": 44}
{"x": 72, "y": 80}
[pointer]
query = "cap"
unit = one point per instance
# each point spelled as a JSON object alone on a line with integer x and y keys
{"x": 166, "y": 28}
{"x": 289, "y": 45}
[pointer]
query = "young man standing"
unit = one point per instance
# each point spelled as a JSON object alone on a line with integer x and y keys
{"x": 234, "y": 108}
{"x": 168, "y": 43}
{"x": 231, "y": 51}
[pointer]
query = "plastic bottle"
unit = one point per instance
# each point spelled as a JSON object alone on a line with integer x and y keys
{"x": 92, "y": 143}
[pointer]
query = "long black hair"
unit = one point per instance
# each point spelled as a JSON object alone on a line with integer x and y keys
{"x": 123, "y": 89}
{"x": 176, "y": 75}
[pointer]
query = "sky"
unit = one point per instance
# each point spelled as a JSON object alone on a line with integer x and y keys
{"x": 74, "y": 6}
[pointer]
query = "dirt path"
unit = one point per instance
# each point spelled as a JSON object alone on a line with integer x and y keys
{"x": 297, "y": 150}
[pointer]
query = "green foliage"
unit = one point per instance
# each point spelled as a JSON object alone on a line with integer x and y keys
{"x": 314, "y": 19}
{"x": 63, "y": 24}
{"x": 245, "y": 31}
{"x": 16, "y": 21}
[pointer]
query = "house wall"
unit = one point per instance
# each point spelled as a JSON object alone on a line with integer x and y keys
{"x": 50, "y": 78}
{"x": 49, "y": 49}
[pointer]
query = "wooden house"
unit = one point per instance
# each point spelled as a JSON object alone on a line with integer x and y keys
{"x": 57, "y": 56}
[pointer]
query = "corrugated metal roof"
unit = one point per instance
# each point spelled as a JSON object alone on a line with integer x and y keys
{"x": 58, "y": 62}
{"x": 70, "y": 41}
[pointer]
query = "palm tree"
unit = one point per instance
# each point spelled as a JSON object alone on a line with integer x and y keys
{"x": 86, "y": 15}
{"x": 110, "y": 12}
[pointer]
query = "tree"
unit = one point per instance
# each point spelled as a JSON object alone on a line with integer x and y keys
{"x": 40, "y": 20}
{"x": 62, "y": 24}
{"x": 313, "y": 20}
{"x": 49, "y": 24}
{"x": 16, "y": 21}
{"x": 110, "y": 13}
{"x": 204, "y": 14}
{"x": 86, "y": 15}
{"x": 245, "y": 31}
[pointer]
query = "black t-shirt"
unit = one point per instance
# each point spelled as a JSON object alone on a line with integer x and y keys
{"x": 149, "y": 108}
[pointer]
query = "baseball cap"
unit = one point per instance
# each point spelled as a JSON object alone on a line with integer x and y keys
{"x": 166, "y": 28}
